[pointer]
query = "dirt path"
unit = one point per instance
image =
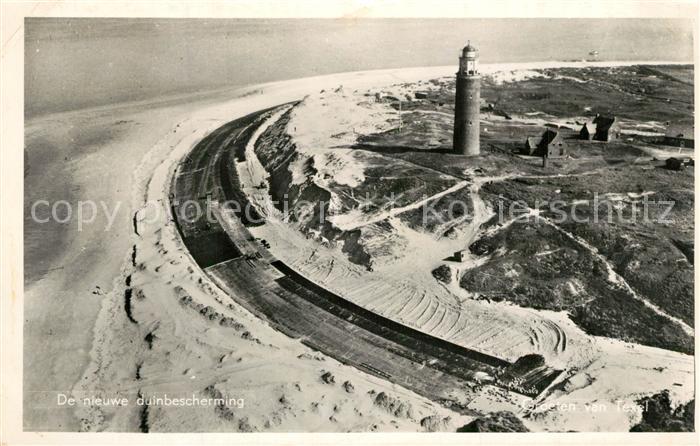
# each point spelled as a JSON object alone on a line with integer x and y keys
{"x": 613, "y": 277}
{"x": 344, "y": 223}
{"x": 619, "y": 281}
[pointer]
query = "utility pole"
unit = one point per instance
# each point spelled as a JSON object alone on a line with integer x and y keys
{"x": 400, "y": 122}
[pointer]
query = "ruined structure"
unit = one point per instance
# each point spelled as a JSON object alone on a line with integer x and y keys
{"x": 467, "y": 101}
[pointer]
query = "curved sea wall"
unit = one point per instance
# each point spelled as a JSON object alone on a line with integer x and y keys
{"x": 295, "y": 193}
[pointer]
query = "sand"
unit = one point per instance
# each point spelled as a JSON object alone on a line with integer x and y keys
{"x": 82, "y": 275}
{"x": 497, "y": 328}
{"x": 79, "y": 338}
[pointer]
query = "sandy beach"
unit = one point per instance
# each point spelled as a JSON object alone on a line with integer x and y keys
{"x": 121, "y": 157}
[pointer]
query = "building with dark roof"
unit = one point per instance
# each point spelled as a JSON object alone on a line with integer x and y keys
{"x": 680, "y": 135}
{"x": 607, "y": 128}
{"x": 550, "y": 144}
{"x": 675, "y": 164}
{"x": 586, "y": 133}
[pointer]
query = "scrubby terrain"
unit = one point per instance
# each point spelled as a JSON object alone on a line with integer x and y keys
{"x": 388, "y": 178}
{"x": 574, "y": 261}
{"x": 495, "y": 422}
{"x": 658, "y": 415}
{"x": 603, "y": 251}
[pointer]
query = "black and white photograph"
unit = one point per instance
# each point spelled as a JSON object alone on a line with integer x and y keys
{"x": 364, "y": 222}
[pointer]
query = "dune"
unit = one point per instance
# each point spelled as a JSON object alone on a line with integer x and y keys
{"x": 79, "y": 338}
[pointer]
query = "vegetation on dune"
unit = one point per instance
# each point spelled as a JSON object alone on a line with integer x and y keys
{"x": 542, "y": 263}
{"x": 558, "y": 274}
{"x": 659, "y": 416}
{"x": 653, "y": 257}
{"x": 495, "y": 422}
{"x": 443, "y": 274}
{"x": 633, "y": 92}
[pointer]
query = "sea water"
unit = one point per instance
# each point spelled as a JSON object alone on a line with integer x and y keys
{"x": 72, "y": 63}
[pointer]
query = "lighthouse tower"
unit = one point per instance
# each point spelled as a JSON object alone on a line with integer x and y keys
{"x": 467, "y": 101}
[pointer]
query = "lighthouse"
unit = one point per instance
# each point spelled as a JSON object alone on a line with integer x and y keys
{"x": 467, "y": 100}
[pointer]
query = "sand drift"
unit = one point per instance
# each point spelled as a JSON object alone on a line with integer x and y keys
{"x": 296, "y": 306}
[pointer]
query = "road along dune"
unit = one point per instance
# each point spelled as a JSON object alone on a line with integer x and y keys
{"x": 299, "y": 307}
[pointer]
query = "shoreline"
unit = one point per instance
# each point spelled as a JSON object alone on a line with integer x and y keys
{"x": 203, "y": 96}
